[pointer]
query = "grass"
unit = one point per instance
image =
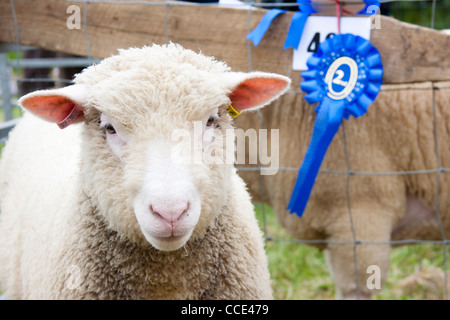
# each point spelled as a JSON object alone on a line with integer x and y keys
{"x": 299, "y": 272}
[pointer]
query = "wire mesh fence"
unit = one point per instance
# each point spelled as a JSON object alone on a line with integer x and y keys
{"x": 13, "y": 62}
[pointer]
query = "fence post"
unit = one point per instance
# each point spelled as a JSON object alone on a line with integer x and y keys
{"x": 6, "y": 94}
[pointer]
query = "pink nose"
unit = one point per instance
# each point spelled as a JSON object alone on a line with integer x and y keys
{"x": 172, "y": 213}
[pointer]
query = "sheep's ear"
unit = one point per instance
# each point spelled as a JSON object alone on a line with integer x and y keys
{"x": 254, "y": 90}
{"x": 62, "y": 106}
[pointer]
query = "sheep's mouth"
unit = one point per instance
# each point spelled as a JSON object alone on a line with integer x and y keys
{"x": 171, "y": 238}
{"x": 167, "y": 219}
{"x": 168, "y": 233}
{"x": 169, "y": 243}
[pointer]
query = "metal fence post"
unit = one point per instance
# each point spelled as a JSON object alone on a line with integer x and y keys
{"x": 6, "y": 94}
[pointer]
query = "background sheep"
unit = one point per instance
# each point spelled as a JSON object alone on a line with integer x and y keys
{"x": 107, "y": 209}
{"x": 397, "y": 134}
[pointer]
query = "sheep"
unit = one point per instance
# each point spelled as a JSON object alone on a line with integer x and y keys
{"x": 112, "y": 207}
{"x": 396, "y": 135}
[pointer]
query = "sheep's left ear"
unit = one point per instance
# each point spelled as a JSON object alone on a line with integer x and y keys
{"x": 62, "y": 106}
{"x": 254, "y": 90}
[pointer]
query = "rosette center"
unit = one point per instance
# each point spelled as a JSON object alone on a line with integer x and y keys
{"x": 341, "y": 78}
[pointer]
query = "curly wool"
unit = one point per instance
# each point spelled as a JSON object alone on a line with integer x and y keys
{"x": 67, "y": 226}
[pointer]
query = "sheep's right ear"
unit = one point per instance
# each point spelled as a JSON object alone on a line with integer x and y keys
{"x": 254, "y": 90}
{"x": 62, "y": 106}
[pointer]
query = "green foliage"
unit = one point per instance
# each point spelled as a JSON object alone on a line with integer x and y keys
{"x": 420, "y": 12}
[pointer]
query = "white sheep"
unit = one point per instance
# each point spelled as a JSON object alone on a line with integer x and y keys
{"x": 106, "y": 210}
{"x": 392, "y": 194}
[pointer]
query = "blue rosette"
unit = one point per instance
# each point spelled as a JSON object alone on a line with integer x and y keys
{"x": 344, "y": 77}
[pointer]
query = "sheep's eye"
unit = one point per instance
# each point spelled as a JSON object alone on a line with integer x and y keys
{"x": 210, "y": 121}
{"x": 110, "y": 129}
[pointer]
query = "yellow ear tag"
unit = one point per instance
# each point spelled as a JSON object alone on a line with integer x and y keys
{"x": 233, "y": 112}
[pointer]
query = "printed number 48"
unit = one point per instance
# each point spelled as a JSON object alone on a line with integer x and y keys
{"x": 314, "y": 44}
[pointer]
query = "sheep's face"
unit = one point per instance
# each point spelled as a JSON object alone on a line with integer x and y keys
{"x": 169, "y": 185}
{"x": 158, "y": 144}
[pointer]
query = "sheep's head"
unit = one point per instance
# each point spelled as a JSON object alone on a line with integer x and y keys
{"x": 152, "y": 119}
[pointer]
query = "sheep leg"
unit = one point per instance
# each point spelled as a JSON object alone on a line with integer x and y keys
{"x": 361, "y": 276}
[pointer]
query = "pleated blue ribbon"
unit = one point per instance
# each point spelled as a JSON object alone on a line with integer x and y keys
{"x": 258, "y": 33}
{"x": 344, "y": 76}
{"x": 294, "y": 35}
{"x": 295, "y": 29}
{"x": 298, "y": 21}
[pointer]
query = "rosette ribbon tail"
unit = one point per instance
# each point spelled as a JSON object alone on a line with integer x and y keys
{"x": 258, "y": 33}
{"x": 329, "y": 117}
{"x": 295, "y": 30}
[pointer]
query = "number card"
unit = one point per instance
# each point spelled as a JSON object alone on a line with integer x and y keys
{"x": 317, "y": 29}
